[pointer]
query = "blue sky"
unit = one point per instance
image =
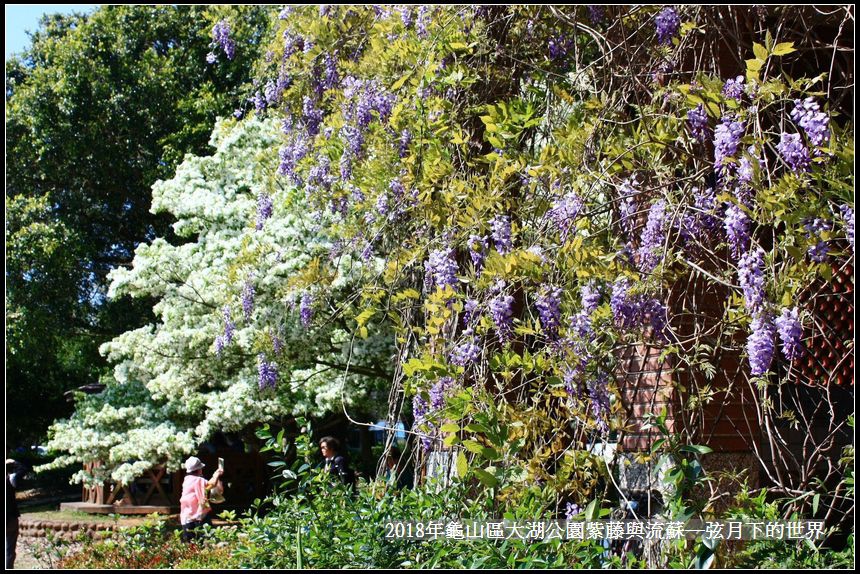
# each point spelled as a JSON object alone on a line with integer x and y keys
{"x": 21, "y": 18}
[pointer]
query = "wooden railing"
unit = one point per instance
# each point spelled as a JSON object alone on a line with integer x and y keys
{"x": 244, "y": 480}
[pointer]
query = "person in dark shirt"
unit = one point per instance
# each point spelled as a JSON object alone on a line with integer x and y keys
{"x": 335, "y": 463}
{"x": 13, "y": 479}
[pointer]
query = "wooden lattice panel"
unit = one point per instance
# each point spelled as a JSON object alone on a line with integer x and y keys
{"x": 828, "y": 339}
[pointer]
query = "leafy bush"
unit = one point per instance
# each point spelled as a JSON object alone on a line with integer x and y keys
{"x": 781, "y": 553}
{"x": 313, "y": 521}
{"x": 149, "y": 546}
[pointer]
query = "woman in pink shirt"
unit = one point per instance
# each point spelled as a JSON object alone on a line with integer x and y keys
{"x": 194, "y": 506}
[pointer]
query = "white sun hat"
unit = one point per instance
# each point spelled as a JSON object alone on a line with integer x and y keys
{"x": 193, "y": 463}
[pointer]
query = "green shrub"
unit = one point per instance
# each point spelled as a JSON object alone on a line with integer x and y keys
{"x": 154, "y": 545}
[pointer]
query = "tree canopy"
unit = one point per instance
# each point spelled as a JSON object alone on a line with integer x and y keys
{"x": 97, "y": 109}
{"x": 235, "y": 342}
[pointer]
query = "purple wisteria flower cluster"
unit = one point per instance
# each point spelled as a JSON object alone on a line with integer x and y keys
{"x": 363, "y": 99}
{"x": 580, "y": 323}
{"x": 312, "y": 115}
{"x": 265, "y": 208}
{"x": 420, "y": 409}
{"x": 699, "y": 222}
{"x": 816, "y": 225}
{"x": 790, "y": 331}
{"x": 818, "y": 252}
{"x": 248, "y": 293}
{"x": 422, "y": 22}
{"x": 405, "y": 140}
{"x": 727, "y": 139}
{"x": 292, "y": 153}
{"x": 630, "y": 311}
{"x": 221, "y": 38}
{"x": 293, "y": 44}
{"x": 502, "y": 311}
{"x": 572, "y": 373}
{"x": 330, "y": 78}
{"x": 466, "y": 353}
{"x": 564, "y": 212}
{"x": 267, "y": 373}
{"x": 572, "y": 509}
{"x": 559, "y": 46}
{"x": 277, "y": 344}
{"x": 590, "y": 296}
{"x": 598, "y": 393}
{"x": 442, "y": 268}
{"x": 623, "y": 307}
{"x": 746, "y": 171}
{"x": 471, "y": 312}
{"x": 653, "y": 237}
{"x": 808, "y": 115}
{"x": 751, "y": 278}
{"x": 737, "y": 226}
{"x": 501, "y": 226}
{"x": 596, "y": 13}
{"x": 548, "y": 304}
{"x": 478, "y": 250}
{"x": 382, "y": 208}
{"x": 793, "y": 152}
{"x": 225, "y": 339}
{"x": 760, "y": 345}
{"x": 734, "y": 88}
{"x": 697, "y": 119}
{"x": 745, "y": 175}
{"x": 655, "y": 312}
{"x": 667, "y": 23}
{"x": 848, "y": 218}
{"x": 440, "y": 391}
{"x": 405, "y": 15}
{"x": 814, "y": 228}
{"x": 306, "y": 309}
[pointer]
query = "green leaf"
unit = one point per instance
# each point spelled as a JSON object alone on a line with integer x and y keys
{"x": 760, "y": 52}
{"x": 696, "y": 449}
{"x": 451, "y": 427}
{"x": 755, "y": 65}
{"x": 783, "y": 48}
{"x": 795, "y": 252}
{"x": 399, "y": 83}
{"x": 477, "y": 427}
{"x": 462, "y": 464}
{"x": 490, "y": 453}
{"x": 406, "y": 294}
{"x": 486, "y": 478}
{"x": 592, "y": 510}
{"x": 495, "y": 142}
{"x": 474, "y": 446}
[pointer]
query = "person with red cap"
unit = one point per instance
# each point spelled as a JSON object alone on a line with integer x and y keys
{"x": 194, "y": 506}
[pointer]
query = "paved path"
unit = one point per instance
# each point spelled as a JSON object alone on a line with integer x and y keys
{"x": 25, "y": 559}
